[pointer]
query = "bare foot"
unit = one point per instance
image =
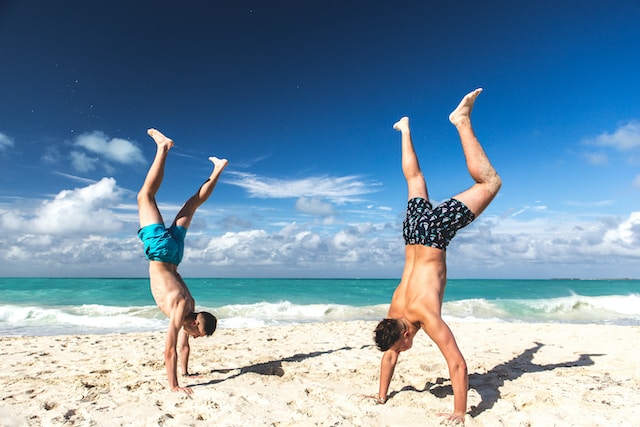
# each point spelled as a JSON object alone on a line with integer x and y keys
{"x": 218, "y": 164}
{"x": 462, "y": 113}
{"x": 161, "y": 140}
{"x": 402, "y": 125}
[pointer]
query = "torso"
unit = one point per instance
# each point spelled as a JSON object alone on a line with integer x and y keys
{"x": 421, "y": 288}
{"x": 168, "y": 288}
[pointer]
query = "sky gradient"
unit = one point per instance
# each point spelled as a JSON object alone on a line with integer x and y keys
{"x": 301, "y": 97}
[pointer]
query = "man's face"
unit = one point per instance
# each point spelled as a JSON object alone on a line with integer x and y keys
{"x": 404, "y": 343}
{"x": 194, "y": 329}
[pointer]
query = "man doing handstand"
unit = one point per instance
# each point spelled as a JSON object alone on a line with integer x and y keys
{"x": 164, "y": 248}
{"x": 417, "y": 301}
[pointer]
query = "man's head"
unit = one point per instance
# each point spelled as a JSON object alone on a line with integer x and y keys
{"x": 393, "y": 333}
{"x": 201, "y": 324}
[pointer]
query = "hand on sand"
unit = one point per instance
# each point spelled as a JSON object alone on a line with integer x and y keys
{"x": 452, "y": 419}
{"x": 376, "y": 398}
{"x": 185, "y": 390}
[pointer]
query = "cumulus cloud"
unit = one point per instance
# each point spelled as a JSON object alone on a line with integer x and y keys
{"x": 625, "y": 138}
{"x": 627, "y": 233}
{"x": 88, "y": 230}
{"x": 5, "y": 142}
{"x": 551, "y": 247}
{"x": 337, "y": 189}
{"x": 83, "y": 210}
{"x": 296, "y": 247}
{"x": 115, "y": 149}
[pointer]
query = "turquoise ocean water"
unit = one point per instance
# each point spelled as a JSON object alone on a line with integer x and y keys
{"x": 41, "y": 306}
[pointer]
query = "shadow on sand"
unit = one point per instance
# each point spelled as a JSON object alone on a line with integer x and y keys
{"x": 488, "y": 384}
{"x": 273, "y": 367}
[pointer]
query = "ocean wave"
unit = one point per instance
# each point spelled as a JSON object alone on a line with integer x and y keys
{"x": 94, "y": 318}
{"x": 265, "y": 314}
{"x": 100, "y": 319}
{"x": 611, "y": 309}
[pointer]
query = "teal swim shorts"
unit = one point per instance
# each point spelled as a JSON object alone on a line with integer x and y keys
{"x": 162, "y": 244}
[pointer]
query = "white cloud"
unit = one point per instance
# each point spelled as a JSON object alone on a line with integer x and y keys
{"x": 81, "y": 162}
{"x": 627, "y": 233}
{"x": 5, "y": 142}
{"x": 337, "y": 189}
{"x": 83, "y": 210}
{"x": 295, "y": 247}
{"x": 116, "y": 149}
{"x": 314, "y": 206}
{"x": 89, "y": 230}
{"x": 626, "y": 137}
{"x": 550, "y": 247}
{"x": 597, "y": 159}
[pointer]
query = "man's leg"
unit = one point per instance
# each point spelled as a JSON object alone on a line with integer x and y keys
{"x": 478, "y": 197}
{"x": 185, "y": 215}
{"x": 416, "y": 185}
{"x": 147, "y": 208}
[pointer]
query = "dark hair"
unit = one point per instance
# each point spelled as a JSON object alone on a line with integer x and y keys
{"x": 387, "y": 333}
{"x": 209, "y": 322}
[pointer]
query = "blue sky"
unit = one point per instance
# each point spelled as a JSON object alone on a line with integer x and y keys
{"x": 301, "y": 98}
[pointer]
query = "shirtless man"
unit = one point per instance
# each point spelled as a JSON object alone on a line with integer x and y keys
{"x": 164, "y": 248}
{"x": 417, "y": 301}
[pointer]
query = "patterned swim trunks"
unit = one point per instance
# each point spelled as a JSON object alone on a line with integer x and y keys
{"x": 162, "y": 244}
{"x": 427, "y": 226}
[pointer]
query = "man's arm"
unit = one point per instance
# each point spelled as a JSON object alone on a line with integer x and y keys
{"x": 387, "y": 367}
{"x": 170, "y": 354}
{"x": 440, "y": 333}
{"x": 183, "y": 350}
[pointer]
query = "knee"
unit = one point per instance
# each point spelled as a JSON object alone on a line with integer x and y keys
{"x": 144, "y": 197}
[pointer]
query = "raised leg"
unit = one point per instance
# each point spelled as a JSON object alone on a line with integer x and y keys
{"x": 416, "y": 184}
{"x": 488, "y": 182}
{"x": 185, "y": 215}
{"x": 147, "y": 208}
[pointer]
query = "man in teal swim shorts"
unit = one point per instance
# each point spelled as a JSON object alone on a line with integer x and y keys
{"x": 417, "y": 301}
{"x": 164, "y": 249}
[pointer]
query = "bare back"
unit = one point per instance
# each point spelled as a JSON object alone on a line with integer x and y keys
{"x": 421, "y": 289}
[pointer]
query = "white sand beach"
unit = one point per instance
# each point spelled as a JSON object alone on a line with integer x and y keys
{"x": 318, "y": 374}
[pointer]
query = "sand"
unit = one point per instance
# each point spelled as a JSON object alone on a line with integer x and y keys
{"x": 318, "y": 374}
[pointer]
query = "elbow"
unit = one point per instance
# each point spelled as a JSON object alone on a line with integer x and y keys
{"x": 496, "y": 183}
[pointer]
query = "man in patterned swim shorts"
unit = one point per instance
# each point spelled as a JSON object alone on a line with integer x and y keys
{"x": 417, "y": 301}
{"x": 164, "y": 248}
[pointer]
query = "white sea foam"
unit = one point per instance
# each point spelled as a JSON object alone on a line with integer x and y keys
{"x": 262, "y": 314}
{"x": 613, "y": 309}
{"x": 31, "y": 320}
{"x": 95, "y": 318}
